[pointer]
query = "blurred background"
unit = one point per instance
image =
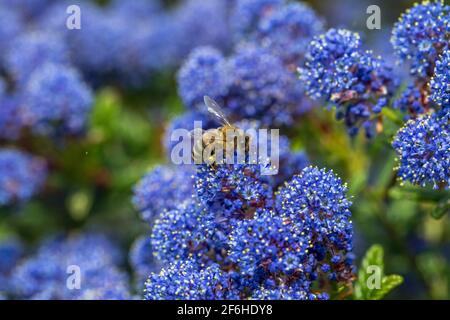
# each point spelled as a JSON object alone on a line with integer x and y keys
{"x": 126, "y": 57}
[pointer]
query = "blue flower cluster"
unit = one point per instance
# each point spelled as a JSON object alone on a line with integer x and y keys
{"x": 141, "y": 260}
{"x": 288, "y": 31}
{"x": 358, "y": 83}
{"x": 45, "y": 275}
{"x": 423, "y": 150}
{"x": 421, "y": 37}
{"x": 440, "y": 83}
{"x": 422, "y": 145}
{"x": 240, "y": 240}
{"x": 11, "y": 251}
{"x": 251, "y": 84}
{"x": 184, "y": 280}
{"x": 56, "y": 99}
{"x": 163, "y": 188}
{"x": 21, "y": 176}
{"x": 247, "y": 14}
{"x": 257, "y": 80}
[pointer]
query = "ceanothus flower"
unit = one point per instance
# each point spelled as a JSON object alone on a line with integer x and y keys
{"x": 287, "y": 293}
{"x": 163, "y": 188}
{"x": 269, "y": 249}
{"x": 201, "y": 23}
{"x": 32, "y": 50}
{"x": 246, "y": 15}
{"x": 355, "y": 81}
{"x": 232, "y": 191}
{"x": 184, "y": 280}
{"x": 56, "y": 99}
{"x": 21, "y": 176}
{"x": 142, "y": 260}
{"x": 11, "y": 251}
{"x": 12, "y": 25}
{"x": 423, "y": 150}
{"x": 203, "y": 73}
{"x": 316, "y": 201}
{"x": 440, "y": 83}
{"x": 262, "y": 88}
{"x": 183, "y": 233}
{"x": 288, "y": 31}
{"x": 44, "y": 275}
{"x": 421, "y": 35}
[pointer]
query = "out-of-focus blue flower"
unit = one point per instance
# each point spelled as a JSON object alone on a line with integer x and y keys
{"x": 184, "y": 232}
{"x": 29, "y": 9}
{"x": 204, "y": 73}
{"x": 423, "y": 150}
{"x": 56, "y": 98}
{"x": 246, "y": 15}
{"x": 288, "y": 31}
{"x": 163, "y": 189}
{"x": 316, "y": 201}
{"x": 421, "y": 35}
{"x": 201, "y": 23}
{"x": 262, "y": 88}
{"x": 184, "y": 280}
{"x": 11, "y": 251}
{"x": 45, "y": 275}
{"x": 440, "y": 83}
{"x": 31, "y": 50}
{"x": 12, "y": 26}
{"x": 142, "y": 260}
{"x": 356, "y": 82}
{"x": 21, "y": 176}
{"x": 10, "y": 117}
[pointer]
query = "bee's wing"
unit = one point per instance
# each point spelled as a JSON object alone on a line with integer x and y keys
{"x": 215, "y": 109}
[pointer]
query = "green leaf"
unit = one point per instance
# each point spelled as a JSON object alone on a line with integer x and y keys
{"x": 372, "y": 284}
{"x": 387, "y": 285}
{"x": 441, "y": 209}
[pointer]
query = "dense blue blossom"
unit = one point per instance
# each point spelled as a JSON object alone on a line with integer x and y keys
{"x": 10, "y": 116}
{"x": 421, "y": 34}
{"x": 142, "y": 260}
{"x": 21, "y": 176}
{"x": 162, "y": 189}
{"x": 316, "y": 201}
{"x": 440, "y": 83}
{"x": 207, "y": 20}
{"x": 183, "y": 232}
{"x": 423, "y": 150}
{"x": 203, "y": 73}
{"x": 12, "y": 26}
{"x": 288, "y": 31}
{"x": 287, "y": 293}
{"x": 246, "y": 15}
{"x": 232, "y": 191}
{"x": 44, "y": 275}
{"x": 184, "y": 280}
{"x": 356, "y": 82}
{"x": 263, "y": 88}
{"x": 32, "y": 50}
{"x": 56, "y": 98}
{"x": 11, "y": 251}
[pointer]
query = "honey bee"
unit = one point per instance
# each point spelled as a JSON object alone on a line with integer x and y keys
{"x": 216, "y": 139}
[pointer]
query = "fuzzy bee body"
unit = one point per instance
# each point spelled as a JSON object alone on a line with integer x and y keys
{"x": 216, "y": 139}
